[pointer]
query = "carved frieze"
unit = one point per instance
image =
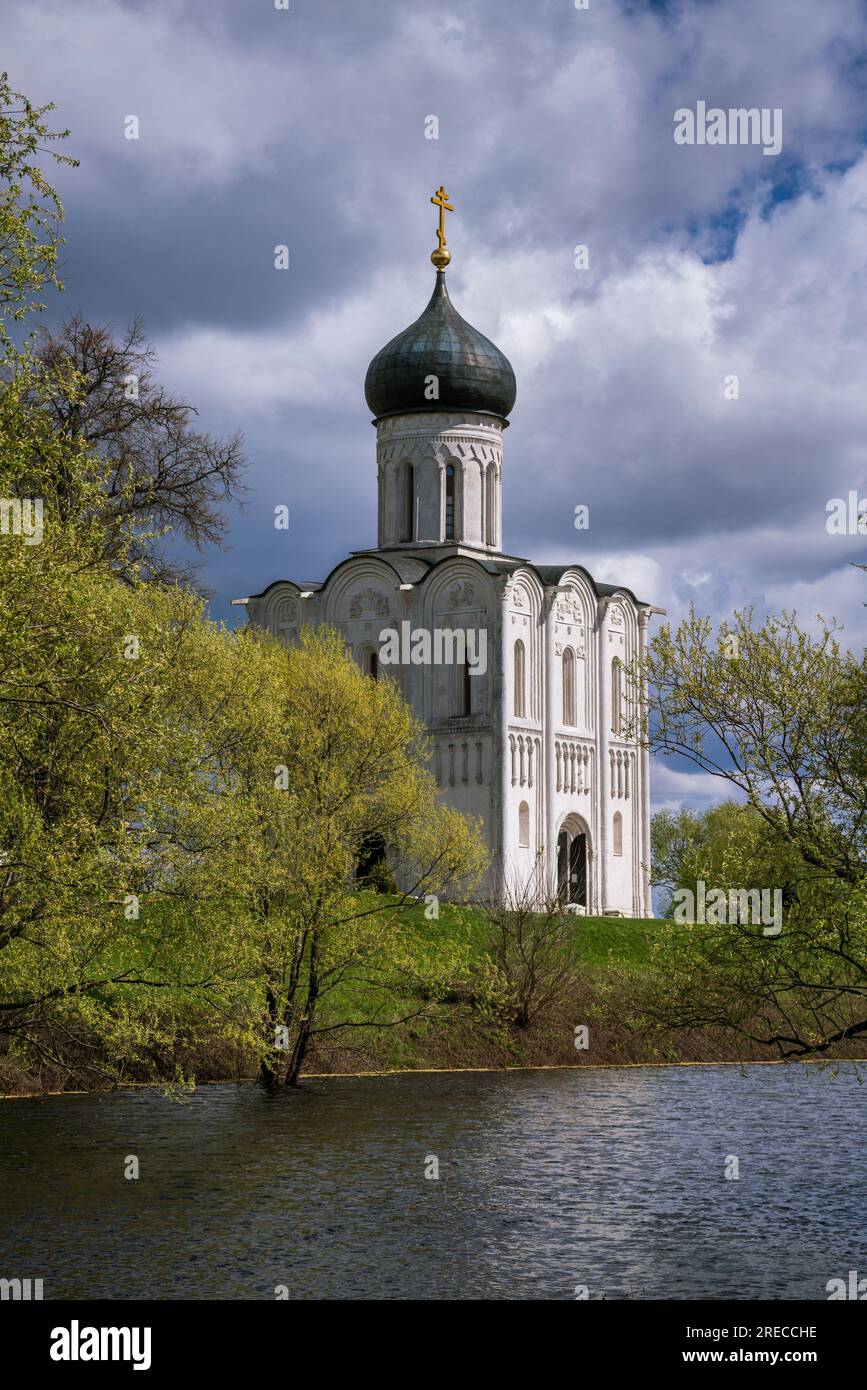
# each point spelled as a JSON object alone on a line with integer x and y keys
{"x": 462, "y": 595}
{"x": 285, "y": 611}
{"x": 369, "y": 601}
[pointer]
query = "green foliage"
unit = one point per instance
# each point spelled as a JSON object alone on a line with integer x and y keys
{"x": 777, "y": 713}
{"x": 781, "y": 715}
{"x": 30, "y": 210}
{"x": 727, "y": 846}
{"x": 182, "y": 808}
{"x": 346, "y": 756}
{"x": 800, "y": 993}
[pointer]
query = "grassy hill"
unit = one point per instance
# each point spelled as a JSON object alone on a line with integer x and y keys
{"x": 621, "y": 941}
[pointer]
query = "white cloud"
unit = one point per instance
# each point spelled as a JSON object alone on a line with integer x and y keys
{"x": 673, "y": 790}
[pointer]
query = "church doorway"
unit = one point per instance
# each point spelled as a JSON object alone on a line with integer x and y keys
{"x": 371, "y": 868}
{"x": 572, "y": 857}
{"x": 371, "y": 860}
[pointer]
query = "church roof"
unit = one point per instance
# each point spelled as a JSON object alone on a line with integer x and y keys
{"x": 494, "y": 565}
{"x": 472, "y": 373}
{"x": 552, "y": 574}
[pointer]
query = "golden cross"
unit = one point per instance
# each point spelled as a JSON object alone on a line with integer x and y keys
{"x": 441, "y": 200}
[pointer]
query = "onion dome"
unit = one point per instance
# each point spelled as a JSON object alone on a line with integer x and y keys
{"x": 471, "y": 372}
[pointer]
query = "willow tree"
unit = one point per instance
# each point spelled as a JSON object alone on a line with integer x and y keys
{"x": 330, "y": 760}
{"x": 781, "y": 715}
{"x": 104, "y": 743}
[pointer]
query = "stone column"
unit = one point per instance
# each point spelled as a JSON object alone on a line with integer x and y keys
{"x": 500, "y": 712}
{"x": 604, "y": 770}
{"x": 643, "y": 798}
{"x": 549, "y": 778}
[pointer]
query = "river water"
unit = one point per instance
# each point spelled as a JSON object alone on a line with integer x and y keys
{"x": 611, "y": 1179}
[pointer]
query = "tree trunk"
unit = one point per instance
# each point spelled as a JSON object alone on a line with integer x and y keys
{"x": 267, "y": 1075}
{"x": 302, "y": 1041}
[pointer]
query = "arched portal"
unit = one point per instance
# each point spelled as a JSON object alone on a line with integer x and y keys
{"x": 573, "y": 862}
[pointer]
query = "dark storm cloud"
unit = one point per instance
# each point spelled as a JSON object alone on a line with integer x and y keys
{"x": 203, "y": 260}
{"x": 306, "y": 127}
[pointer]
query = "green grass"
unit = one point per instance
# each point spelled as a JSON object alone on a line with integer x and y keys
{"x": 600, "y": 941}
{"x": 619, "y": 945}
{"x": 623, "y": 941}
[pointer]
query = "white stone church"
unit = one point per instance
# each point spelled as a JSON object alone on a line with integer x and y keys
{"x": 532, "y": 731}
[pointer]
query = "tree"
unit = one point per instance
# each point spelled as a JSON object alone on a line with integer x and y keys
{"x": 341, "y": 761}
{"x": 159, "y": 473}
{"x": 30, "y": 209}
{"x": 104, "y": 737}
{"x": 106, "y": 697}
{"x": 182, "y": 809}
{"x": 782, "y": 716}
{"x": 528, "y": 940}
{"x": 782, "y": 720}
{"x": 688, "y": 847}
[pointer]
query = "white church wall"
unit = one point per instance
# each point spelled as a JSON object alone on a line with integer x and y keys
{"x": 624, "y": 788}
{"x": 574, "y": 618}
{"x": 491, "y": 762}
{"x": 430, "y": 442}
{"x": 524, "y": 763}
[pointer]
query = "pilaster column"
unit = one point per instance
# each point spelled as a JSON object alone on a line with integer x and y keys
{"x": 643, "y": 797}
{"x": 549, "y": 779}
{"x": 604, "y": 770}
{"x": 500, "y": 710}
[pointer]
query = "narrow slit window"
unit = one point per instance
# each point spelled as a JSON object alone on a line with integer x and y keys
{"x": 408, "y": 529}
{"x": 450, "y": 502}
{"x": 616, "y": 696}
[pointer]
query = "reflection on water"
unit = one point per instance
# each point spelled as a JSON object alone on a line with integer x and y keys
{"x": 612, "y": 1178}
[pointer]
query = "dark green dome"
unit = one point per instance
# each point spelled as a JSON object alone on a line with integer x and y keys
{"x": 472, "y": 372}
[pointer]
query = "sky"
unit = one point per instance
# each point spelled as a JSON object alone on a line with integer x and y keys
{"x": 307, "y": 127}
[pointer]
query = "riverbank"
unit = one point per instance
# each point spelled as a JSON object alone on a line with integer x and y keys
{"x": 453, "y": 1039}
{"x": 597, "y": 1010}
